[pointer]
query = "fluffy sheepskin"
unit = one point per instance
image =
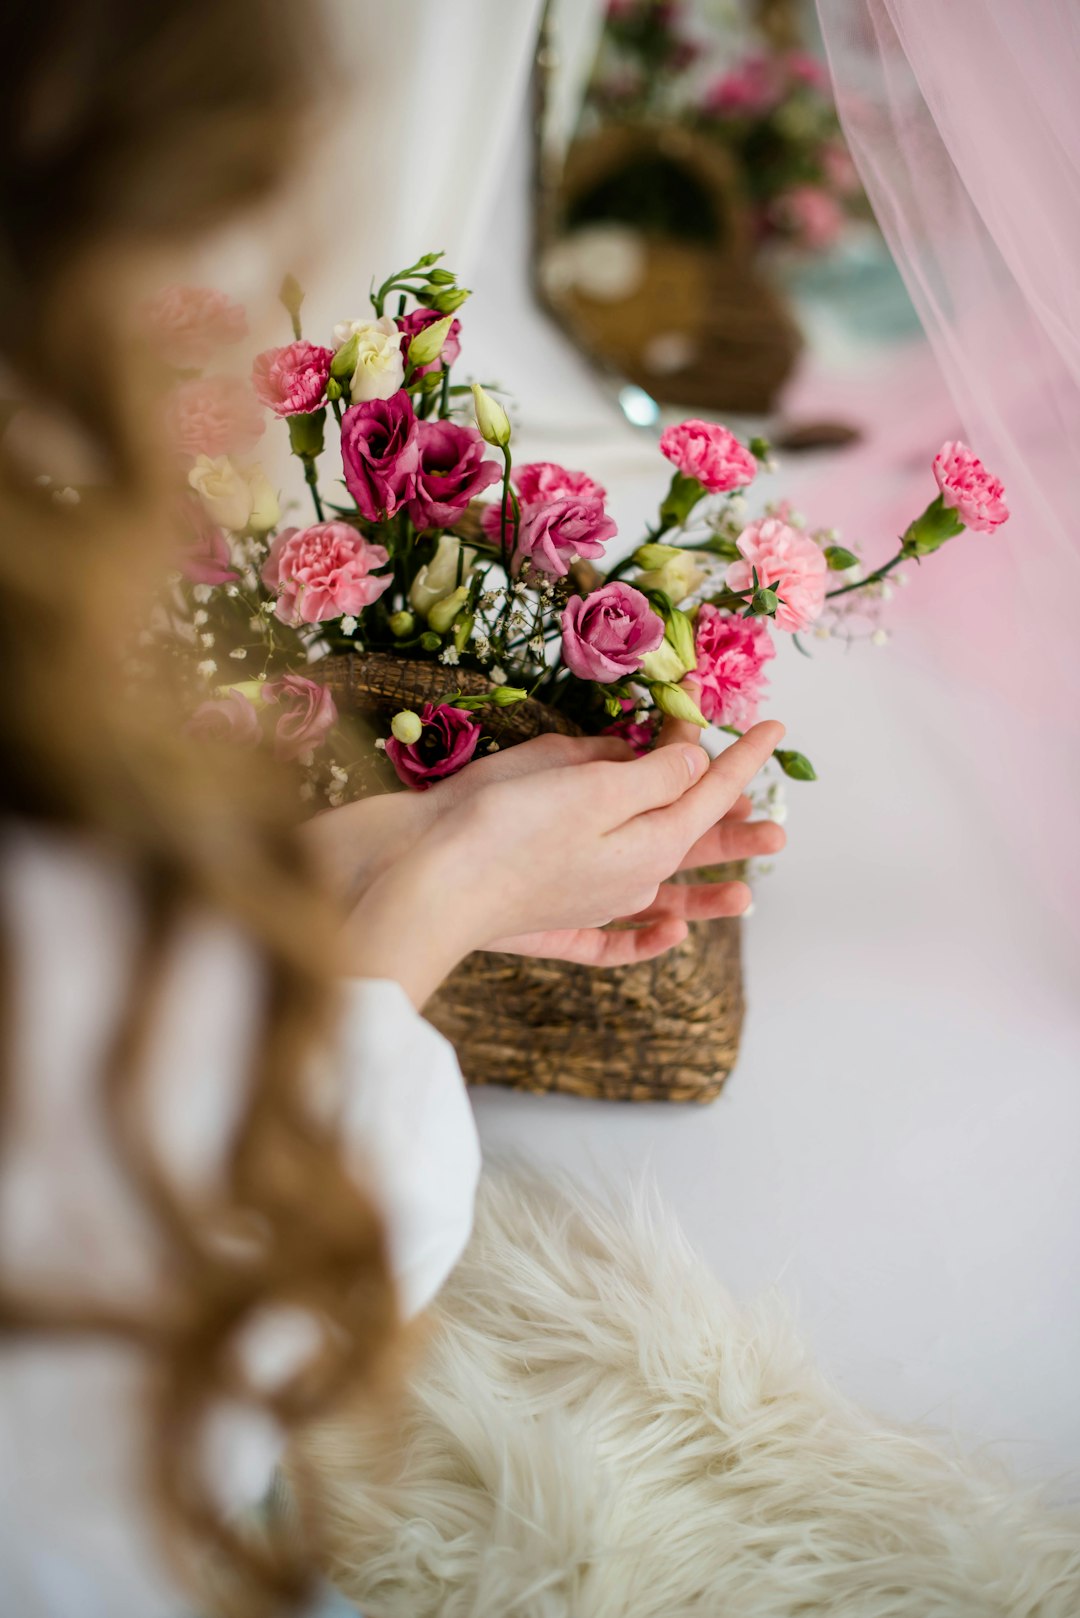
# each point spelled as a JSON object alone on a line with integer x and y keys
{"x": 599, "y": 1431}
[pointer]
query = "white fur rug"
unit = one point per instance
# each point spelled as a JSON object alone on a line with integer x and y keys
{"x": 598, "y": 1431}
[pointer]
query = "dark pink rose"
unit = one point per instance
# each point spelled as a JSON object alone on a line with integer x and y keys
{"x": 324, "y": 571}
{"x": 731, "y": 655}
{"x": 291, "y": 381}
{"x": 231, "y": 718}
{"x": 308, "y": 714}
{"x": 447, "y": 743}
{"x": 555, "y": 532}
{"x": 538, "y": 481}
{"x": 380, "y": 450}
{"x": 214, "y": 415}
{"x": 418, "y": 320}
{"x": 453, "y": 470}
{"x": 977, "y": 497}
{"x": 207, "y": 559}
{"x": 607, "y": 635}
{"x": 186, "y": 325}
{"x": 708, "y": 452}
{"x": 746, "y": 90}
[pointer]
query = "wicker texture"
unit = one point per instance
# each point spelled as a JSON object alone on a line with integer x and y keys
{"x": 661, "y": 1030}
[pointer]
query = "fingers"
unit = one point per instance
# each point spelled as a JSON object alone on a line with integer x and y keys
{"x": 659, "y": 778}
{"x": 694, "y": 812}
{"x": 678, "y": 730}
{"x": 741, "y": 809}
{"x": 529, "y": 758}
{"x": 705, "y": 901}
{"x": 593, "y": 946}
{"x": 735, "y": 840}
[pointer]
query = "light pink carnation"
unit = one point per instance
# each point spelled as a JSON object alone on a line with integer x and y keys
{"x": 231, "y": 718}
{"x": 731, "y": 655}
{"x": 308, "y": 714}
{"x": 788, "y": 561}
{"x": 187, "y": 325}
{"x": 708, "y": 452}
{"x": 977, "y": 497}
{"x": 322, "y": 572}
{"x": 540, "y": 481}
{"x": 214, "y": 415}
{"x": 291, "y": 381}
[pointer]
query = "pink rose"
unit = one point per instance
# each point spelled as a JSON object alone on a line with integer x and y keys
{"x": 708, "y": 452}
{"x": 291, "y": 381}
{"x": 789, "y": 562}
{"x": 186, "y": 325}
{"x": 418, "y": 320}
{"x": 214, "y": 415}
{"x": 536, "y": 482}
{"x": 812, "y": 215}
{"x": 554, "y": 532}
{"x": 447, "y": 743}
{"x": 977, "y": 497}
{"x": 322, "y": 572}
{"x": 308, "y": 714}
{"x": 231, "y": 718}
{"x": 452, "y": 471}
{"x": 607, "y": 635}
{"x": 207, "y": 560}
{"x": 380, "y": 450}
{"x": 731, "y": 655}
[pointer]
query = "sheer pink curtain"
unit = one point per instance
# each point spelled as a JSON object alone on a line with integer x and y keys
{"x": 963, "y": 117}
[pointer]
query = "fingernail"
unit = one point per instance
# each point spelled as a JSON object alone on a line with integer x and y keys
{"x": 696, "y": 760}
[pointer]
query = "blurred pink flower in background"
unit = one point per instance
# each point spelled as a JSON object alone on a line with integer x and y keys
{"x": 308, "y": 714}
{"x": 977, "y": 497}
{"x": 731, "y": 655}
{"x": 751, "y": 87}
{"x": 840, "y": 171}
{"x": 214, "y": 415}
{"x": 230, "y": 718}
{"x": 710, "y": 453}
{"x": 608, "y": 634}
{"x": 187, "y": 325}
{"x": 811, "y": 214}
{"x": 291, "y": 381}
{"x": 807, "y": 69}
{"x": 787, "y": 560}
{"x": 207, "y": 560}
{"x": 322, "y": 572}
{"x": 447, "y": 743}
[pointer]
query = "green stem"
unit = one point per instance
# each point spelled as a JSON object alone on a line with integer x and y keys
{"x": 311, "y": 481}
{"x": 872, "y": 578}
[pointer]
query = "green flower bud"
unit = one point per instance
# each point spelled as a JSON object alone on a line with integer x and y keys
{"x": 449, "y": 301}
{"x": 504, "y": 695}
{"x": 839, "y": 559}
{"x": 344, "y": 361}
{"x": 306, "y": 434}
{"x": 333, "y": 389}
{"x": 797, "y": 765}
{"x": 672, "y": 699}
{"x": 655, "y": 555}
{"x": 491, "y": 418}
{"x": 427, "y": 345}
{"x": 430, "y": 642}
{"x": 930, "y": 531}
{"x": 406, "y": 727}
{"x": 401, "y": 623}
{"x": 664, "y": 664}
{"x": 760, "y": 448}
{"x": 445, "y": 611}
{"x": 291, "y": 295}
{"x": 680, "y": 635}
{"x": 463, "y": 631}
{"x": 441, "y": 278}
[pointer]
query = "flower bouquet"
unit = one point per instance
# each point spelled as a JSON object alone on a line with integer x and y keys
{"x": 459, "y": 602}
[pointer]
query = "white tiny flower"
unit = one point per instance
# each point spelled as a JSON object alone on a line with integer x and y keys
{"x": 250, "y": 581}
{"x": 771, "y": 464}
{"x": 207, "y": 668}
{"x": 449, "y": 655}
{"x": 255, "y": 624}
{"x": 239, "y": 654}
{"x": 880, "y": 637}
{"x": 307, "y": 790}
{"x": 537, "y": 645}
{"x": 42, "y": 481}
{"x": 751, "y": 907}
{"x": 335, "y": 797}
{"x": 348, "y": 625}
{"x": 777, "y": 813}
{"x": 901, "y": 579}
{"x": 338, "y": 775}
{"x": 493, "y": 747}
{"x": 497, "y": 676}
{"x": 232, "y": 590}
{"x": 66, "y": 497}
{"x": 206, "y": 639}
{"x": 822, "y": 632}
{"x": 199, "y": 618}
{"x": 380, "y": 745}
{"x": 203, "y": 592}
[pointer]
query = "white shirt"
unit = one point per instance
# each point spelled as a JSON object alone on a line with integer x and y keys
{"x": 75, "y": 1540}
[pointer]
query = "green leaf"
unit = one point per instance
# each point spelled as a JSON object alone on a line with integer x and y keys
{"x": 795, "y": 765}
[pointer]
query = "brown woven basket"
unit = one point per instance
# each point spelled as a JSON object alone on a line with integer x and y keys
{"x": 663, "y": 1030}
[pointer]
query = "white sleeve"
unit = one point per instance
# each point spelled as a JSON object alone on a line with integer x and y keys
{"x": 409, "y": 1130}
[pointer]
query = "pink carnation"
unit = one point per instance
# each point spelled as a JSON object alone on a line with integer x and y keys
{"x": 812, "y": 215}
{"x": 607, "y": 635}
{"x": 214, "y": 415}
{"x": 447, "y": 743}
{"x": 555, "y": 532}
{"x": 322, "y": 572}
{"x": 186, "y": 325}
{"x": 731, "y": 655}
{"x": 291, "y": 381}
{"x": 708, "y": 452}
{"x": 308, "y": 714}
{"x": 539, "y": 481}
{"x": 977, "y": 497}
{"x": 418, "y": 320}
{"x": 789, "y": 562}
{"x": 231, "y": 718}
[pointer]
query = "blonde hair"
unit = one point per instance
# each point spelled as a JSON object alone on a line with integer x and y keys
{"x": 127, "y": 126}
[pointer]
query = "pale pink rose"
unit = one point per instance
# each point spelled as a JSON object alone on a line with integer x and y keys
{"x": 291, "y": 381}
{"x": 977, "y": 497}
{"x": 812, "y": 215}
{"x": 536, "y": 482}
{"x": 324, "y": 571}
{"x": 607, "y": 635}
{"x": 230, "y": 718}
{"x": 308, "y": 714}
{"x": 447, "y": 743}
{"x": 554, "y": 533}
{"x": 710, "y": 453}
{"x": 787, "y": 561}
{"x": 731, "y": 655}
{"x": 214, "y": 415}
{"x": 187, "y": 325}
{"x": 208, "y": 560}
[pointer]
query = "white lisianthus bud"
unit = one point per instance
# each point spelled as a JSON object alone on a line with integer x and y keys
{"x": 265, "y": 508}
{"x": 251, "y": 689}
{"x": 427, "y": 345}
{"x": 401, "y": 623}
{"x": 491, "y": 418}
{"x": 664, "y": 664}
{"x": 223, "y": 490}
{"x": 677, "y": 701}
{"x": 406, "y": 727}
{"x": 379, "y": 368}
{"x": 680, "y": 634}
{"x": 678, "y": 576}
{"x": 440, "y": 575}
{"x": 445, "y": 611}
{"x": 655, "y": 554}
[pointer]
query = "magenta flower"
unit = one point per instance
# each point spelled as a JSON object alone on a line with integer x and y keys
{"x": 708, "y": 452}
{"x": 607, "y": 635}
{"x": 447, "y": 743}
{"x": 977, "y": 497}
{"x": 731, "y": 655}
{"x": 788, "y": 561}
{"x": 187, "y": 325}
{"x": 750, "y": 88}
{"x": 637, "y": 733}
{"x": 537, "y": 482}
{"x": 322, "y": 572}
{"x": 452, "y": 471}
{"x": 553, "y": 533}
{"x": 308, "y": 714}
{"x": 811, "y": 214}
{"x": 291, "y": 381}
{"x": 418, "y": 320}
{"x": 380, "y": 451}
{"x": 214, "y": 415}
{"x": 231, "y": 718}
